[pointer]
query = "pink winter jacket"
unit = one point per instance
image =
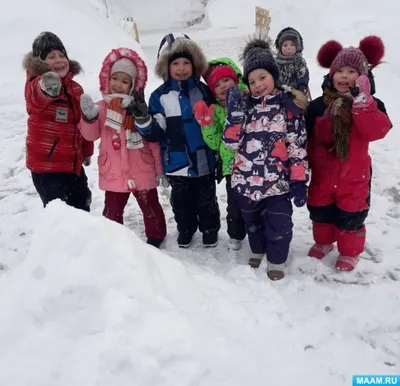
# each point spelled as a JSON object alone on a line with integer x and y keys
{"x": 116, "y": 167}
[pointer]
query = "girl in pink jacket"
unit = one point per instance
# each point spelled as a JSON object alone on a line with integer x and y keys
{"x": 127, "y": 163}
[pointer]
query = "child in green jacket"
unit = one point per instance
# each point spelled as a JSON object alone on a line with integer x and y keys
{"x": 222, "y": 74}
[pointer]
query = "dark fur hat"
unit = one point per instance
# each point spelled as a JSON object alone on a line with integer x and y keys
{"x": 258, "y": 54}
{"x": 179, "y": 46}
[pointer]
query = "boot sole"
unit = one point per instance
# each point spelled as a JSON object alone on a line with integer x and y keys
{"x": 255, "y": 263}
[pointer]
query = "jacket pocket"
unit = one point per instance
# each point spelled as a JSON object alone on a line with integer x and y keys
{"x": 146, "y": 160}
{"x": 103, "y": 163}
{"x": 53, "y": 147}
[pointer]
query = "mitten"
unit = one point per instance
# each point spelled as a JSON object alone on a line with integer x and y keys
{"x": 138, "y": 107}
{"x": 89, "y": 109}
{"x": 234, "y": 106}
{"x": 162, "y": 179}
{"x": 50, "y": 83}
{"x": 361, "y": 93}
{"x": 87, "y": 161}
{"x": 204, "y": 115}
{"x": 298, "y": 191}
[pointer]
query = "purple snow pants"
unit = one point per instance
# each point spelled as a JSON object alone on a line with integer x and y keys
{"x": 268, "y": 225}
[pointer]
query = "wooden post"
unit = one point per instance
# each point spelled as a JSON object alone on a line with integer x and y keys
{"x": 135, "y": 32}
{"x": 263, "y": 21}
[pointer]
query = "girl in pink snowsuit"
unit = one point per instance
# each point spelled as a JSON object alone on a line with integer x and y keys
{"x": 127, "y": 163}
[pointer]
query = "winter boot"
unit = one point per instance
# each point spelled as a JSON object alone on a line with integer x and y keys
{"x": 346, "y": 263}
{"x": 319, "y": 251}
{"x": 255, "y": 259}
{"x": 234, "y": 245}
{"x": 276, "y": 271}
{"x": 185, "y": 239}
{"x": 155, "y": 242}
{"x": 210, "y": 239}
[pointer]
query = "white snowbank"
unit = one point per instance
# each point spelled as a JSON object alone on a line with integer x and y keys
{"x": 93, "y": 305}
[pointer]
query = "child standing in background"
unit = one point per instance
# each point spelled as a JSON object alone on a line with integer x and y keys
{"x": 188, "y": 162}
{"x": 127, "y": 163}
{"x": 222, "y": 74}
{"x": 267, "y": 128}
{"x": 293, "y": 71}
{"x": 55, "y": 149}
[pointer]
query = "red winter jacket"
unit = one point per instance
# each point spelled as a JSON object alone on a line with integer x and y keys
{"x": 54, "y": 143}
{"x": 328, "y": 172}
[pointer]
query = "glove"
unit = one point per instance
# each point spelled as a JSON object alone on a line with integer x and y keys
{"x": 361, "y": 93}
{"x": 298, "y": 191}
{"x": 87, "y": 161}
{"x": 234, "y": 106}
{"x": 50, "y": 83}
{"x": 204, "y": 115}
{"x": 89, "y": 109}
{"x": 162, "y": 179}
{"x": 138, "y": 107}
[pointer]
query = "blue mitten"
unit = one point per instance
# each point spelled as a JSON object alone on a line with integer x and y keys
{"x": 234, "y": 106}
{"x": 298, "y": 191}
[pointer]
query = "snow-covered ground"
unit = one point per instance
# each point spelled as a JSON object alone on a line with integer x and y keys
{"x": 85, "y": 302}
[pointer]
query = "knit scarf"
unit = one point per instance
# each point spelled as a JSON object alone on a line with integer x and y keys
{"x": 339, "y": 109}
{"x": 290, "y": 68}
{"x": 116, "y": 104}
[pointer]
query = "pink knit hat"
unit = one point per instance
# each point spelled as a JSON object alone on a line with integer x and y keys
{"x": 333, "y": 56}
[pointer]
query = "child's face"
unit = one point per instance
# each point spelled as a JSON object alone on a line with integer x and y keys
{"x": 120, "y": 83}
{"x": 288, "y": 48}
{"x": 221, "y": 87}
{"x": 58, "y": 63}
{"x": 181, "y": 69}
{"x": 261, "y": 82}
{"x": 344, "y": 78}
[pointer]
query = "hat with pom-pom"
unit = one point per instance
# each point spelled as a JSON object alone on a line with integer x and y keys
{"x": 257, "y": 54}
{"x": 332, "y": 55}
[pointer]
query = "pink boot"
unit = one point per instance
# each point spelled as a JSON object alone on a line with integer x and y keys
{"x": 346, "y": 263}
{"x": 319, "y": 251}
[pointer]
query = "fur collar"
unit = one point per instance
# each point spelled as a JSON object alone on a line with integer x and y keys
{"x": 36, "y": 66}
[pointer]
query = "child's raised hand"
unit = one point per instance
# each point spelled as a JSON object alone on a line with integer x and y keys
{"x": 138, "y": 107}
{"x": 50, "y": 83}
{"x": 204, "y": 114}
{"x": 234, "y": 105}
{"x": 89, "y": 109}
{"x": 361, "y": 93}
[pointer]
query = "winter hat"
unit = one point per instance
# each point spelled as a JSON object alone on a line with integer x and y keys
{"x": 125, "y": 65}
{"x": 125, "y": 60}
{"x": 217, "y": 72}
{"x": 45, "y": 43}
{"x": 289, "y": 33}
{"x": 174, "y": 46}
{"x": 368, "y": 55}
{"x": 257, "y": 54}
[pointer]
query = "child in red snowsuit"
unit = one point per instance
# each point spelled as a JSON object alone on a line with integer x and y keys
{"x": 341, "y": 124}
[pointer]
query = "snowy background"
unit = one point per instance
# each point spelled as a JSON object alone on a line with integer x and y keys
{"x": 84, "y": 301}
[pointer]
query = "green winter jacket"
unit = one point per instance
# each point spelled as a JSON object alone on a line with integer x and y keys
{"x": 212, "y": 134}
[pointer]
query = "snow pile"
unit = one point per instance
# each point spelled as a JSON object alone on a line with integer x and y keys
{"x": 93, "y": 305}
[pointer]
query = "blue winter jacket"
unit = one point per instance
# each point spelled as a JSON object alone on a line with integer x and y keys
{"x": 183, "y": 150}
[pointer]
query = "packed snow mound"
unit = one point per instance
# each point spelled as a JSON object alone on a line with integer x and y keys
{"x": 94, "y": 305}
{"x": 87, "y": 35}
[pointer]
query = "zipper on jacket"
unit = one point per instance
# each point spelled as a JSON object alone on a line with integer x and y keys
{"x": 53, "y": 147}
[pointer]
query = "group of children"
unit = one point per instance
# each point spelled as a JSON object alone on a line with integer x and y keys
{"x": 254, "y": 129}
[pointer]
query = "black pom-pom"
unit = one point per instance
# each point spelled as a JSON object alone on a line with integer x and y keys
{"x": 256, "y": 42}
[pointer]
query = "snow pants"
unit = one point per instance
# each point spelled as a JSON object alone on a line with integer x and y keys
{"x": 234, "y": 218}
{"x": 68, "y": 187}
{"x": 153, "y": 214}
{"x": 332, "y": 219}
{"x": 269, "y": 225}
{"x": 194, "y": 203}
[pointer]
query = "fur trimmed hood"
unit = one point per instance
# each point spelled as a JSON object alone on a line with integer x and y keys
{"x": 36, "y": 66}
{"x": 181, "y": 45}
{"x": 115, "y": 55}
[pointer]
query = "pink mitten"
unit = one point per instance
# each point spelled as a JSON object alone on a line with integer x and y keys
{"x": 361, "y": 93}
{"x": 203, "y": 114}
